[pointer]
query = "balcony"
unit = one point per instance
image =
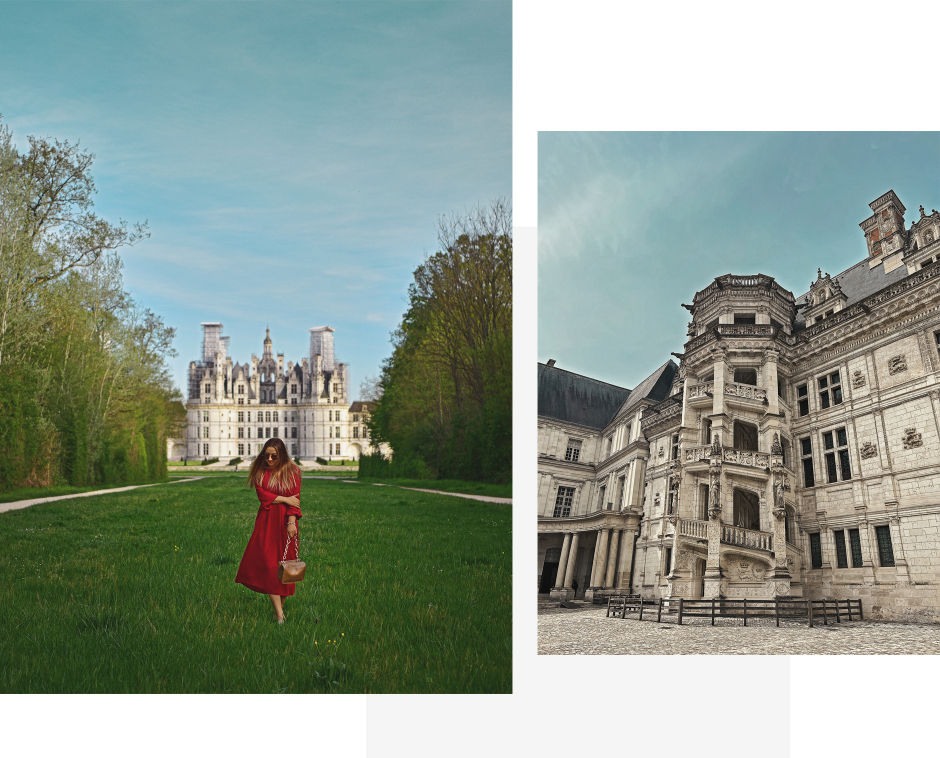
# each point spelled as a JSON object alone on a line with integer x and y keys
{"x": 750, "y": 458}
{"x": 745, "y": 391}
{"x": 701, "y": 394}
{"x": 747, "y": 538}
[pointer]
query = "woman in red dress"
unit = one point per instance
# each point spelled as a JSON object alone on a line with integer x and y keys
{"x": 276, "y": 479}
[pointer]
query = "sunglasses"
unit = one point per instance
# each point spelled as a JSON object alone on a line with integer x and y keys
{"x": 272, "y": 456}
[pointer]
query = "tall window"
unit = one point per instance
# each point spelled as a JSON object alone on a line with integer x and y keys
{"x": 836, "y": 441}
{"x": 620, "y": 488}
{"x": 815, "y": 549}
{"x": 331, "y": 431}
{"x": 241, "y": 431}
{"x": 331, "y": 448}
{"x": 337, "y": 449}
{"x": 355, "y": 417}
{"x": 806, "y": 449}
{"x": 337, "y": 416}
{"x": 337, "y": 432}
{"x": 842, "y": 560}
{"x": 803, "y": 400}
{"x": 706, "y": 431}
{"x": 609, "y": 445}
{"x": 602, "y": 498}
{"x": 293, "y": 389}
{"x": 241, "y": 416}
{"x": 293, "y": 432}
{"x": 205, "y": 450}
{"x": 885, "y": 552}
{"x": 267, "y": 416}
{"x": 241, "y": 448}
{"x": 205, "y": 432}
{"x": 331, "y": 415}
{"x": 275, "y": 418}
{"x": 563, "y": 502}
{"x": 241, "y": 389}
{"x": 781, "y": 389}
{"x": 627, "y": 433}
{"x": 355, "y": 432}
{"x": 675, "y": 447}
{"x": 275, "y": 432}
{"x": 668, "y": 566}
{"x": 830, "y": 387}
{"x": 293, "y": 448}
{"x": 856, "y": 545}
{"x": 208, "y": 390}
{"x": 573, "y": 452}
{"x": 205, "y": 417}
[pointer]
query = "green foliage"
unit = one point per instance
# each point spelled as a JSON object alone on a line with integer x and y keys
{"x": 446, "y": 404}
{"x": 209, "y": 461}
{"x": 323, "y": 461}
{"x": 405, "y": 592}
{"x": 84, "y": 385}
{"x": 235, "y": 461}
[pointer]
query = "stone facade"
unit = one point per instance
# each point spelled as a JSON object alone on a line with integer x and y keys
{"x": 795, "y": 451}
{"x": 232, "y": 409}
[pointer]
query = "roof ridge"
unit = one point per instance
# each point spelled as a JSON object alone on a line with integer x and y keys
{"x": 585, "y": 376}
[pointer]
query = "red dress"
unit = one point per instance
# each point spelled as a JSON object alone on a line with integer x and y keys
{"x": 258, "y": 569}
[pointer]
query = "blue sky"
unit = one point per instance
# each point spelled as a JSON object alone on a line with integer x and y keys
{"x": 292, "y": 159}
{"x": 632, "y": 224}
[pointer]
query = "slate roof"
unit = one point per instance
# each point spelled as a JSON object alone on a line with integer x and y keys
{"x": 857, "y": 283}
{"x": 577, "y": 399}
{"x": 362, "y": 406}
{"x": 655, "y": 387}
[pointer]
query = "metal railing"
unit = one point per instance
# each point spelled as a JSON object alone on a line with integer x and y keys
{"x": 776, "y": 608}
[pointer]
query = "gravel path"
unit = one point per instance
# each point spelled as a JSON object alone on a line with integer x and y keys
{"x": 17, "y": 504}
{"x": 588, "y": 631}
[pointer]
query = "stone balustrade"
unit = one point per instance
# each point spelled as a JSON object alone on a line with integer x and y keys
{"x": 689, "y": 527}
{"x": 752, "y": 538}
{"x": 746, "y": 391}
{"x": 705, "y": 389}
{"x": 697, "y": 453}
{"x": 746, "y": 457}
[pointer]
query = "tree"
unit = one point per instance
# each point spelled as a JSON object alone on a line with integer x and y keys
{"x": 447, "y": 399}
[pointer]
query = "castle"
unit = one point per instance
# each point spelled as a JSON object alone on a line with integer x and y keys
{"x": 792, "y": 451}
{"x": 232, "y": 409}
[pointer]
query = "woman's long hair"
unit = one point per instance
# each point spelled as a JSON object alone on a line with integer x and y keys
{"x": 282, "y": 476}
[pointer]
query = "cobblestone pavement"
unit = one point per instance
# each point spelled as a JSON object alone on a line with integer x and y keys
{"x": 587, "y": 631}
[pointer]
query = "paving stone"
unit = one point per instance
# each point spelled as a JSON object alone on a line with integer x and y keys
{"x": 588, "y": 631}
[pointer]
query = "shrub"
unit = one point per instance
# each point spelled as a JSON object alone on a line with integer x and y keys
{"x": 235, "y": 461}
{"x": 209, "y": 461}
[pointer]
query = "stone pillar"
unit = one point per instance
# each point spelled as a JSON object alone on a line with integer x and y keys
{"x": 712, "y": 583}
{"x": 868, "y": 566}
{"x": 572, "y": 561}
{"x": 769, "y": 375}
{"x": 558, "y": 591}
{"x": 563, "y": 561}
{"x": 601, "y": 559}
{"x": 627, "y": 541}
{"x": 900, "y": 563}
{"x": 612, "y": 558}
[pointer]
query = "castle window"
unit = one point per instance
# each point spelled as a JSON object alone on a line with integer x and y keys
{"x": 293, "y": 389}
{"x": 337, "y": 414}
{"x": 781, "y": 389}
{"x": 293, "y": 401}
{"x": 275, "y": 419}
{"x": 627, "y": 434}
{"x": 355, "y": 432}
{"x": 205, "y": 432}
{"x": 331, "y": 448}
{"x": 205, "y": 450}
{"x": 293, "y": 416}
{"x": 602, "y": 498}
{"x": 241, "y": 431}
{"x": 803, "y": 399}
{"x": 331, "y": 415}
{"x": 815, "y": 549}
{"x": 806, "y": 447}
{"x": 785, "y": 445}
{"x": 241, "y": 449}
{"x": 241, "y": 416}
{"x": 609, "y": 444}
{"x": 675, "y": 447}
{"x": 331, "y": 430}
{"x": 745, "y": 318}
{"x": 830, "y": 384}
{"x": 275, "y": 432}
{"x": 267, "y": 416}
{"x": 668, "y": 565}
{"x": 293, "y": 432}
{"x": 241, "y": 389}
{"x": 293, "y": 448}
{"x": 573, "y": 451}
{"x": 563, "y": 502}
{"x": 337, "y": 432}
{"x": 842, "y": 560}
{"x": 205, "y": 417}
{"x": 837, "y": 441}
{"x": 355, "y": 417}
{"x": 208, "y": 388}
{"x": 856, "y": 544}
{"x": 885, "y": 551}
{"x": 241, "y": 401}
{"x": 706, "y": 431}
{"x": 260, "y": 432}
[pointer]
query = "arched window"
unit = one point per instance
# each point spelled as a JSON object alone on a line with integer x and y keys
{"x": 267, "y": 416}
{"x": 275, "y": 415}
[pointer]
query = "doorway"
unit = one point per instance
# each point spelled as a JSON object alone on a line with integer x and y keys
{"x": 549, "y": 570}
{"x": 746, "y": 509}
{"x": 698, "y": 579}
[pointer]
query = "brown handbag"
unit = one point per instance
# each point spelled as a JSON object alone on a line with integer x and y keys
{"x": 291, "y": 572}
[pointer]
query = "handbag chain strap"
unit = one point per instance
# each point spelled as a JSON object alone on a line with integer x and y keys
{"x": 297, "y": 540}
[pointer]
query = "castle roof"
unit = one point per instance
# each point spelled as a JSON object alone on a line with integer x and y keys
{"x": 577, "y": 399}
{"x": 654, "y": 388}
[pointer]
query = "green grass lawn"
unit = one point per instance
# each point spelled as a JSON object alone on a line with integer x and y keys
{"x": 448, "y": 485}
{"x": 135, "y": 592}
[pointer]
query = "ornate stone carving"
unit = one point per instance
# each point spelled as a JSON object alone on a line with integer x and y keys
{"x": 858, "y": 379}
{"x": 742, "y": 569}
{"x": 759, "y": 570}
{"x": 714, "y": 498}
{"x": 746, "y": 391}
{"x": 701, "y": 390}
{"x": 775, "y": 447}
{"x": 690, "y": 329}
{"x": 661, "y": 453}
{"x": 897, "y": 364}
{"x": 716, "y": 447}
{"x": 869, "y": 450}
{"x": 912, "y": 439}
{"x": 656, "y": 501}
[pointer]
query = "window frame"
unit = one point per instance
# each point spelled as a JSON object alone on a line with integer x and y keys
{"x": 815, "y": 550}
{"x": 802, "y": 399}
{"x": 806, "y": 461}
{"x": 573, "y": 450}
{"x": 885, "y": 548}
{"x": 565, "y": 510}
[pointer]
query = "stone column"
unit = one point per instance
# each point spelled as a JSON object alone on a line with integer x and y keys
{"x": 572, "y": 561}
{"x": 612, "y": 558}
{"x": 868, "y": 570}
{"x": 627, "y": 541}
{"x": 601, "y": 554}
{"x": 558, "y": 591}
{"x": 712, "y": 583}
{"x": 563, "y": 562}
{"x": 769, "y": 375}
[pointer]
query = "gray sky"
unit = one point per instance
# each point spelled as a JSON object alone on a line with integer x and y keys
{"x": 632, "y": 224}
